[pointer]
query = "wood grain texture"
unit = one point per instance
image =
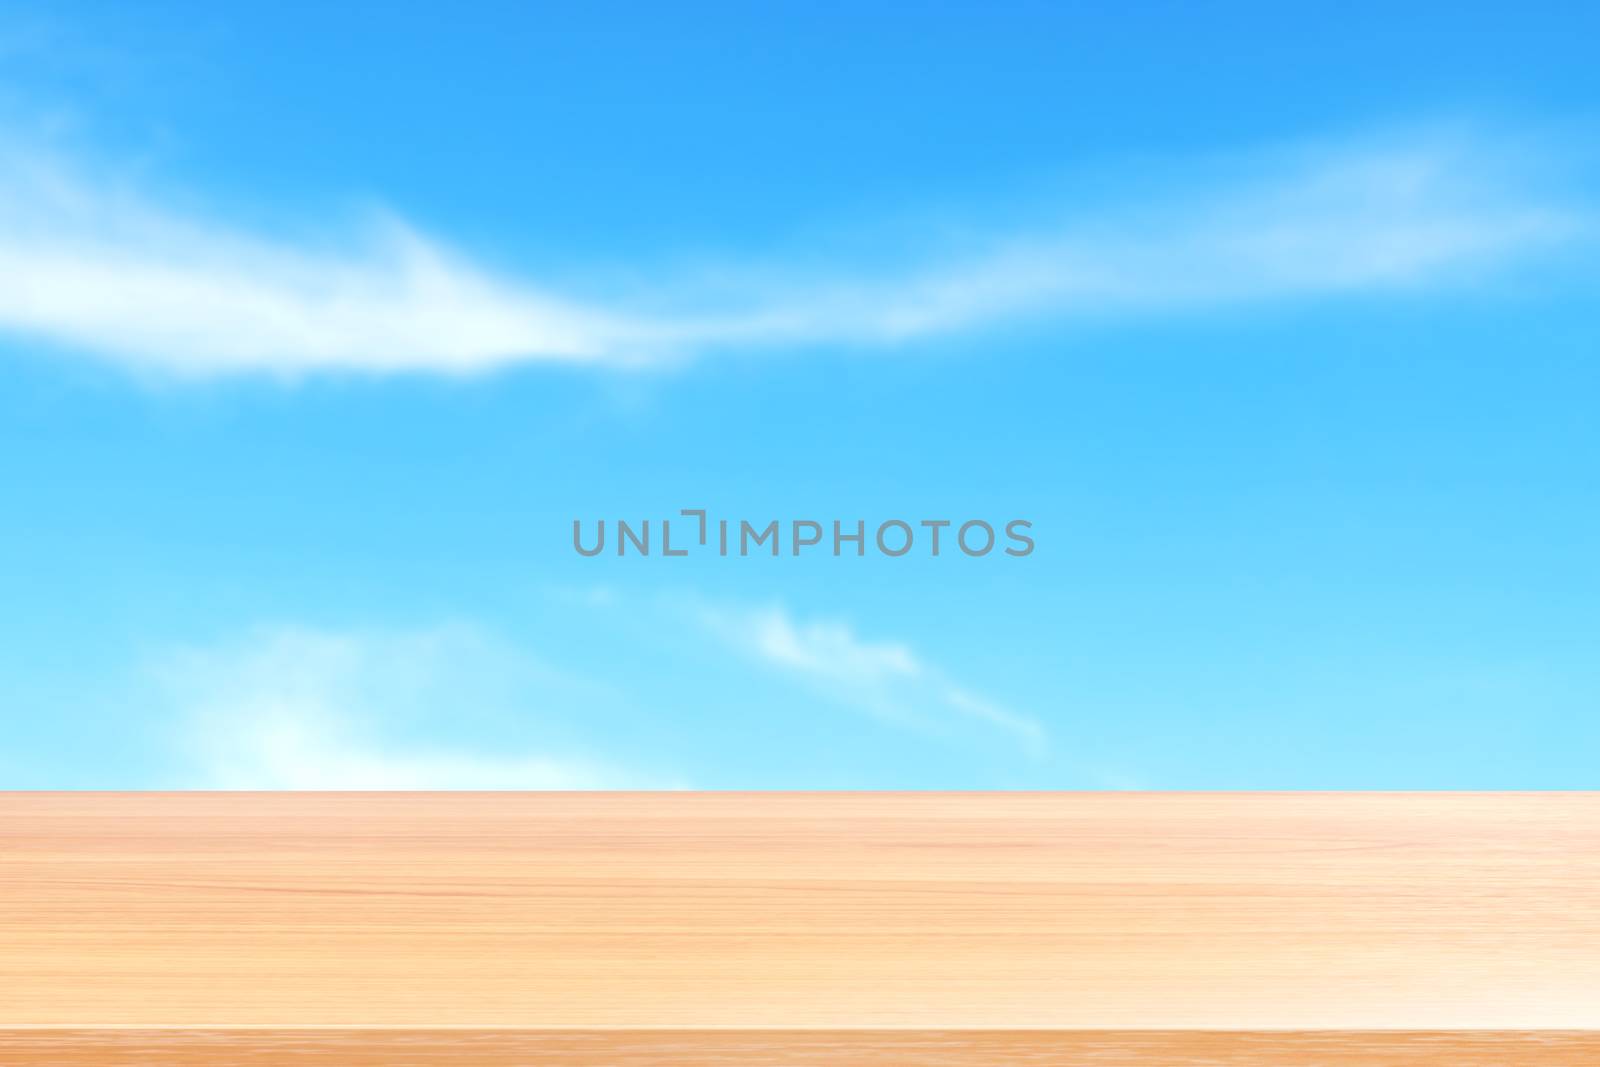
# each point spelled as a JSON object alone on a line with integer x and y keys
{"x": 791, "y": 1048}
{"x": 801, "y": 912}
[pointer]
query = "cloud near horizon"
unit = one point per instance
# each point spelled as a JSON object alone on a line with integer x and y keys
{"x": 885, "y": 679}
{"x": 90, "y": 266}
{"x": 300, "y": 708}
{"x": 303, "y": 707}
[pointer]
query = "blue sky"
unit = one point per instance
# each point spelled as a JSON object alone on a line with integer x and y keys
{"x": 318, "y": 329}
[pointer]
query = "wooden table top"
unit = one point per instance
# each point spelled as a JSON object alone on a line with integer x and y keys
{"x": 828, "y": 912}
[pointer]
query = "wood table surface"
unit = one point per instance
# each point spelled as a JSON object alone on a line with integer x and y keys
{"x": 869, "y": 927}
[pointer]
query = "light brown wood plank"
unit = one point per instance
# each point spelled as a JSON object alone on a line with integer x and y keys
{"x": 812, "y": 1048}
{"x": 783, "y": 911}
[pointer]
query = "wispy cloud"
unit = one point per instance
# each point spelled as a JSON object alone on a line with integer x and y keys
{"x": 297, "y": 708}
{"x": 885, "y": 679}
{"x": 123, "y": 274}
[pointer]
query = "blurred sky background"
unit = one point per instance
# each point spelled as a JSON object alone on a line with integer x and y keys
{"x": 319, "y": 324}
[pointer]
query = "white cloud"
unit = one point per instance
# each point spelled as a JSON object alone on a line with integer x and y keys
{"x": 111, "y": 274}
{"x": 90, "y": 266}
{"x": 295, "y": 708}
{"x": 883, "y": 678}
